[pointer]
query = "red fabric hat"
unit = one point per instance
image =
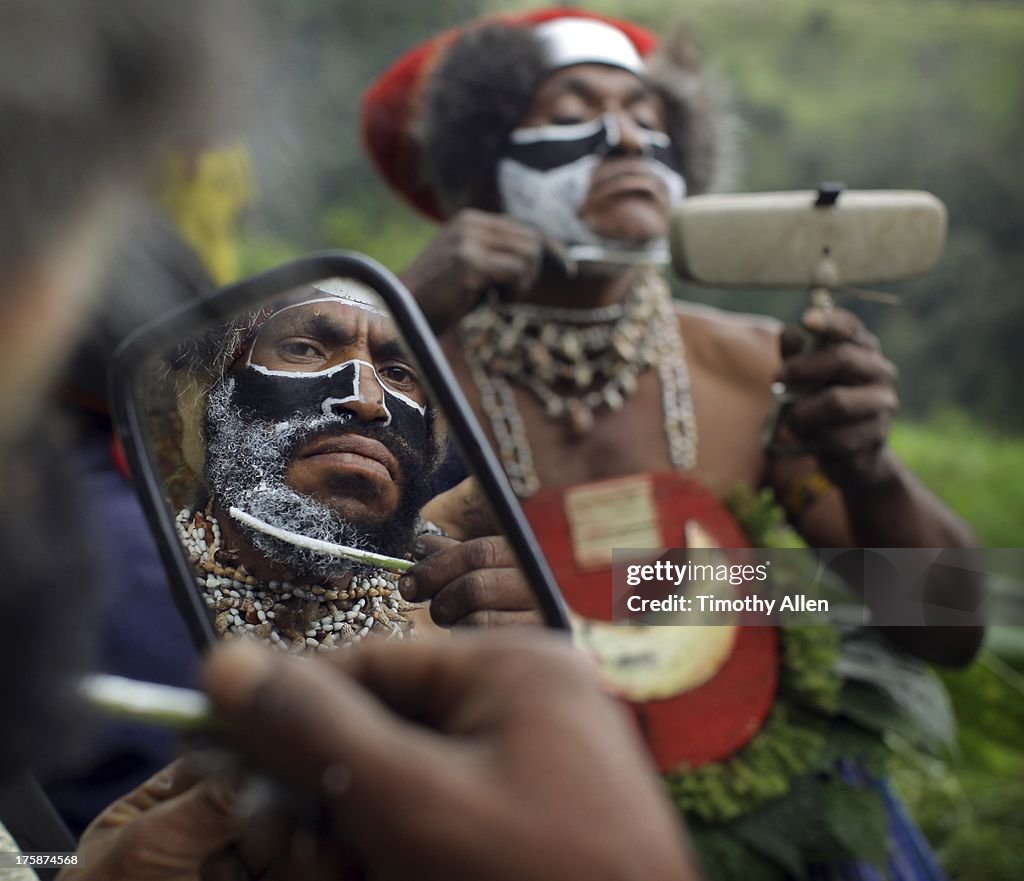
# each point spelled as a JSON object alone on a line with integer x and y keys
{"x": 392, "y": 106}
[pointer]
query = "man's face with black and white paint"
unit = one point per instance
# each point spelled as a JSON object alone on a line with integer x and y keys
{"x": 322, "y": 427}
{"x": 591, "y": 162}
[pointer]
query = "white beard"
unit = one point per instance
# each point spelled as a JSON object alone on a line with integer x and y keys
{"x": 246, "y": 463}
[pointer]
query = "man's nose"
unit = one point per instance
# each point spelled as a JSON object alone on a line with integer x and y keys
{"x": 368, "y": 403}
{"x": 626, "y": 137}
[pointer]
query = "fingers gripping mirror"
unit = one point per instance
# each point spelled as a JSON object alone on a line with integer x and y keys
{"x": 294, "y": 439}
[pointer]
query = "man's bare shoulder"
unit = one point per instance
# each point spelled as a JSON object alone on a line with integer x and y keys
{"x": 734, "y": 344}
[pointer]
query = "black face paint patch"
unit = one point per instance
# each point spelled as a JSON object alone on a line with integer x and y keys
{"x": 551, "y": 146}
{"x": 278, "y": 396}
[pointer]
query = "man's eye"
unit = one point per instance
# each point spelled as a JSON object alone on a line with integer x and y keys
{"x": 398, "y": 374}
{"x": 650, "y": 116}
{"x": 649, "y": 122}
{"x": 301, "y": 350}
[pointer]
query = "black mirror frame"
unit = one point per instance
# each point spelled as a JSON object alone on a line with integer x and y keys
{"x": 166, "y": 331}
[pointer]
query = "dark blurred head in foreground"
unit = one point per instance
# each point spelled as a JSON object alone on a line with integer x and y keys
{"x": 90, "y": 94}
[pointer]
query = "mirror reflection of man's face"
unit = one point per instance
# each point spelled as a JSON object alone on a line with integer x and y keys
{"x": 346, "y": 361}
{"x": 321, "y": 428}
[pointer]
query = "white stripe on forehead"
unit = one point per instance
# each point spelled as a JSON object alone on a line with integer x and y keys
{"x": 332, "y": 298}
{"x": 351, "y": 291}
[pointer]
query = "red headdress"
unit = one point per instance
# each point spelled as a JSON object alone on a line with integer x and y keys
{"x": 433, "y": 122}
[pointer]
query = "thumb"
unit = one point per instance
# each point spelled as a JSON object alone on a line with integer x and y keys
{"x": 168, "y": 840}
{"x": 193, "y": 826}
{"x": 166, "y": 784}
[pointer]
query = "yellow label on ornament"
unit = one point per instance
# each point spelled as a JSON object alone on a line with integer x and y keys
{"x": 612, "y": 514}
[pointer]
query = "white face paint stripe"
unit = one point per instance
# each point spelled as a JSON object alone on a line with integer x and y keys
{"x": 305, "y": 374}
{"x": 614, "y": 136}
{"x": 326, "y": 406}
{"x": 422, "y": 408}
{"x": 330, "y": 371}
{"x": 533, "y": 134}
{"x": 298, "y": 374}
{"x": 331, "y": 298}
{"x": 266, "y": 371}
{"x": 351, "y": 291}
{"x": 576, "y": 131}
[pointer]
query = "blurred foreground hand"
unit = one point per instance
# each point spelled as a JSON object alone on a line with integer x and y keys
{"x": 492, "y": 756}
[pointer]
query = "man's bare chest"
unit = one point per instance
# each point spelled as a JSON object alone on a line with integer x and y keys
{"x": 635, "y": 437}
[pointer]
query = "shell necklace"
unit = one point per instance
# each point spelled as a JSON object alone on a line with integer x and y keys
{"x": 294, "y": 617}
{"x": 576, "y": 362}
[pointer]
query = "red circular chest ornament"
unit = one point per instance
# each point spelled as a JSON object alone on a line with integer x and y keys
{"x": 577, "y": 526}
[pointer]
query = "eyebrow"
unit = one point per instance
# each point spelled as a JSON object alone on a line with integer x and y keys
{"x": 333, "y": 333}
{"x": 391, "y": 348}
{"x": 321, "y": 327}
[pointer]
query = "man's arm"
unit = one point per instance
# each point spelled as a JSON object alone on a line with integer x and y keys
{"x": 843, "y": 418}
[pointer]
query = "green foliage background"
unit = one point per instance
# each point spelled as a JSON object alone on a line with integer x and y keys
{"x": 970, "y": 804}
{"x": 877, "y": 93}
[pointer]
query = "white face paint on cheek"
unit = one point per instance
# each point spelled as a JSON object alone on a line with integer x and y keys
{"x": 549, "y": 200}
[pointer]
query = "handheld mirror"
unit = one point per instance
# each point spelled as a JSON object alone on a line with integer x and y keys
{"x": 292, "y": 437}
{"x": 832, "y": 237}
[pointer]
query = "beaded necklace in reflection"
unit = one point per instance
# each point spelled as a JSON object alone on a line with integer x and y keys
{"x": 294, "y": 617}
{"x": 576, "y": 362}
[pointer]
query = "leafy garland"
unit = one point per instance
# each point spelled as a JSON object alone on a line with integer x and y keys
{"x": 784, "y": 747}
{"x": 781, "y": 802}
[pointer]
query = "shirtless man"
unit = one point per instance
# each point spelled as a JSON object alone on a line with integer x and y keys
{"x": 553, "y": 147}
